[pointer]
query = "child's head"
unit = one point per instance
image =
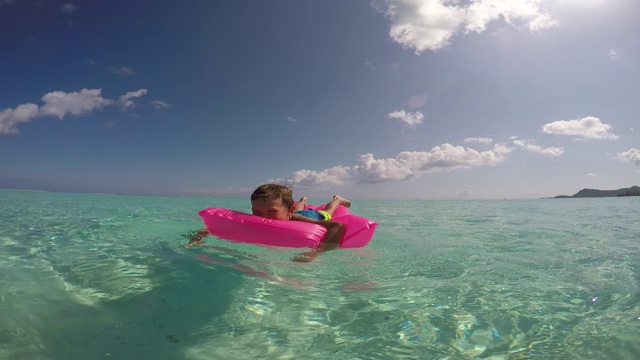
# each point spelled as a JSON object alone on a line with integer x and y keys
{"x": 272, "y": 201}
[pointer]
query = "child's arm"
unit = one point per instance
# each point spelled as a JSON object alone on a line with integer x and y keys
{"x": 331, "y": 240}
{"x": 196, "y": 239}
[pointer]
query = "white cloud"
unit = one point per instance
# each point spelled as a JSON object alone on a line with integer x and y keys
{"x": 126, "y": 100}
{"x": 632, "y": 155}
{"x": 411, "y": 164}
{"x": 430, "y": 24}
{"x": 291, "y": 119}
{"x": 10, "y": 118}
{"x": 159, "y": 104}
{"x": 549, "y": 151}
{"x": 122, "y": 70}
{"x": 68, "y": 8}
{"x": 60, "y": 104}
{"x": 409, "y": 119}
{"x": 405, "y": 166}
{"x": 337, "y": 175}
{"x": 589, "y": 128}
{"x": 479, "y": 140}
{"x": 614, "y": 54}
{"x": 422, "y": 25}
{"x": 514, "y": 13}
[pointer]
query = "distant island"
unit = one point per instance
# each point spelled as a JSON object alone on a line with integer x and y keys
{"x": 590, "y": 193}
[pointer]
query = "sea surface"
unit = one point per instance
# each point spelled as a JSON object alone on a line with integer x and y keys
{"x": 91, "y": 276}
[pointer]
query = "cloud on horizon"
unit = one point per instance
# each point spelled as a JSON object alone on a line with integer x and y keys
{"x": 431, "y": 24}
{"x": 61, "y": 104}
{"x": 407, "y": 165}
{"x": 632, "y": 156}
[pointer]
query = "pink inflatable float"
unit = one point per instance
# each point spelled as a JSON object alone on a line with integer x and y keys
{"x": 241, "y": 227}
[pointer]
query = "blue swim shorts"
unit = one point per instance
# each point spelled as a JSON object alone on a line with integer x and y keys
{"x": 314, "y": 214}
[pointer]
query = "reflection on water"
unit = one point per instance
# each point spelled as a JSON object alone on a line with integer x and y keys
{"x": 86, "y": 276}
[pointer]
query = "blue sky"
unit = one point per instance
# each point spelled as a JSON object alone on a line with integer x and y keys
{"x": 431, "y": 99}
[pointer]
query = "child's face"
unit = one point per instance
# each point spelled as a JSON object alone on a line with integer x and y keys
{"x": 271, "y": 209}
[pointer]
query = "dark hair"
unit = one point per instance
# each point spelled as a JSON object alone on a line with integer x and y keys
{"x": 274, "y": 191}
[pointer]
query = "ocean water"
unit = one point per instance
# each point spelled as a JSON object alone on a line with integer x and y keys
{"x": 87, "y": 276}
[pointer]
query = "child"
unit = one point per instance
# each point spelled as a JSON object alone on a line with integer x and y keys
{"x": 273, "y": 201}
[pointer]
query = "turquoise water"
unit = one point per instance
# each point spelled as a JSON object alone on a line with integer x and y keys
{"x": 85, "y": 276}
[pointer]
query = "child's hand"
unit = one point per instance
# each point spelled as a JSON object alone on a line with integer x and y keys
{"x": 195, "y": 237}
{"x": 307, "y": 256}
{"x": 193, "y": 242}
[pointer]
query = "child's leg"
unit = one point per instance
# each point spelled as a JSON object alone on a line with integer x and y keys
{"x": 335, "y": 202}
{"x": 301, "y": 204}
